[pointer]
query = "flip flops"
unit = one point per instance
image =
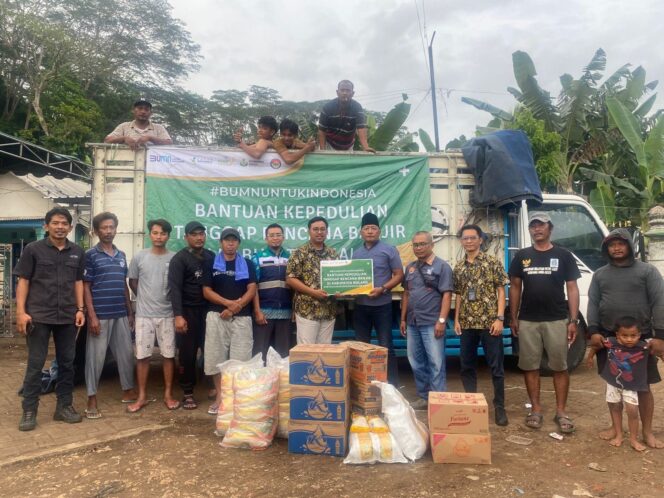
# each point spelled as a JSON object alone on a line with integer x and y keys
{"x": 213, "y": 409}
{"x": 188, "y": 402}
{"x": 534, "y": 420}
{"x": 92, "y": 413}
{"x": 565, "y": 424}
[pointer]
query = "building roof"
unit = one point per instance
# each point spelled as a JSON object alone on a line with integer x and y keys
{"x": 65, "y": 190}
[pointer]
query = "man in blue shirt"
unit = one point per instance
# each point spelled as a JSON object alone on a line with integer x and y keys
{"x": 273, "y": 301}
{"x": 375, "y": 309}
{"x": 110, "y": 317}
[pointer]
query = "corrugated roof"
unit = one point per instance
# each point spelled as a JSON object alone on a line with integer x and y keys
{"x": 54, "y": 188}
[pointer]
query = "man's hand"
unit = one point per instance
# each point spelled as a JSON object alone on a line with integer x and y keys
{"x": 375, "y": 292}
{"x": 226, "y": 314}
{"x": 181, "y": 326}
{"x": 496, "y": 328}
{"x": 439, "y": 330}
{"x": 457, "y": 327}
{"x": 596, "y": 341}
{"x": 514, "y": 326}
{"x": 260, "y": 318}
{"x": 369, "y": 149}
{"x": 235, "y": 307}
{"x": 79, "y": 319}
{"x": 319, "y": 294}
{"x": 94, "y": 325}
{"x": 132, "y": 143}
{"x": 656, "y": 347}
{"x": 571, "y": 332}
{"x": 403, "y": 327}
{"x": 237, "y": 136}
{"x": 132, "y": 321}
{"x": 23, "y": 320}
{"x": 310, "y": 146}
{"x": 591, "y": 356}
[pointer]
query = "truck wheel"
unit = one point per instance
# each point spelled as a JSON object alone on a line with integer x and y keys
{"x": 575, "y": 354}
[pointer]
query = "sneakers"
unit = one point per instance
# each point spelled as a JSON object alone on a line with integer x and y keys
{"x": 28, "y": 421}
{"x": 420, "y": 404}
{"x": 500, "y": 416}
{"x": 67, "y": 414}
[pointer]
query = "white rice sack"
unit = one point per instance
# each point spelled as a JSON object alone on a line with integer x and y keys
{"x": 228, "y": 370}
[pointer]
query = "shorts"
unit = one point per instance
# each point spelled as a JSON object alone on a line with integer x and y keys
{"x": 149, "y": 328}
{"x": 226, "y": 340}
{"x": 616, "y": 395}
{"x": 537, "y": 337}
{"x": 652, "y": 372}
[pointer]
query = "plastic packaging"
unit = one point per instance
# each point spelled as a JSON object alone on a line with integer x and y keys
{"x": 274, "y": 360}
{"x": 411, "y": 434}
{"x": 228, "y": 370}
{"x": 255, "y": 409}
{"x": 360, "y": 424}
{"x": 369, "y": 448}
{"x": 377, "y": 425}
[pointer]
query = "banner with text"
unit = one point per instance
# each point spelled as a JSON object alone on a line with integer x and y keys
{"x": 229, "y": 189}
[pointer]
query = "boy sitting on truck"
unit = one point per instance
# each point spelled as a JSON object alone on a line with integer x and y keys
{"x": 267, "y": 127}
{"x": 625, "y": 374}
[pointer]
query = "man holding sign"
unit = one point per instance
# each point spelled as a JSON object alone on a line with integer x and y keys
{"x": 375, "y": 309}
{"x": 315, "y": 310}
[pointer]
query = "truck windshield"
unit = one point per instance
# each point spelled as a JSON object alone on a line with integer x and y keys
{"x": 576, "y": 230}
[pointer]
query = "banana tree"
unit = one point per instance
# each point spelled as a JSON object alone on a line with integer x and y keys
{"x": 381, "y": 138}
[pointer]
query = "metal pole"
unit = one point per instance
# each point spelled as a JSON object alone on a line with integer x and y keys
{"x": 433, "y": 95}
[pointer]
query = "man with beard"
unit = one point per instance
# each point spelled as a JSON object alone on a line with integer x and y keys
{"x": 141, "y": 130}
{"x": 627, "y": 286}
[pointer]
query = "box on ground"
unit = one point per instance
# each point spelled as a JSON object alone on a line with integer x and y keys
{"x": 317, "y": 438}
{"x": 319, "y": 365}
{"x": 461, "y": 448}
{"x": 458, "y": 413}
{"x": 365, "y": 410}
{"x": 319, "y": 403}
{"x": 367, "y": 361}
{"x": 364, "y": 394}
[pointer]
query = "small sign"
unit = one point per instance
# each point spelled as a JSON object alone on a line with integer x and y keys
{"x": 349, "y": 277}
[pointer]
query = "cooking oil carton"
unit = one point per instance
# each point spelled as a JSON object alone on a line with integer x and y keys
{"x": 365, "y": 398}
{"x": 317, "y": 438}
{"x": 325, "y": 404}
{"x": 461, "y": 448}
{"x": 319, "y": 365}
{"x": 367, "y": 362}
{"x": 458, "y": 413}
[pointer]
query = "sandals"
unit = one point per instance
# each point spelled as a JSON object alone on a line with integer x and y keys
{"x": 188, "y": 402}
{"x": 534, "y": 420}
{"x": 92, "y": 413}
{"x": 565, "y": 424}
{"x": 213, "y": 409}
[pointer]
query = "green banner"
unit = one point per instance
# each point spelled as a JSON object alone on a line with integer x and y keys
{"x": 228, "y": 189}
{"x": 349, "y": 277}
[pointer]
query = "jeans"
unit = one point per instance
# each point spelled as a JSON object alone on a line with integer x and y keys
{"x": 189, "y": 344}
{"x": 426, "y": 355}
{"x": 380, "y": 318}
{"x": 493, "y": 352}
{"x": 64, "y": 337}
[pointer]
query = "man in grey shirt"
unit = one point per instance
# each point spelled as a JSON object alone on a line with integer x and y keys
{"x": 428, "y": 286}
{"x": 148, "y": 279}
{"x": 375, "y": 309}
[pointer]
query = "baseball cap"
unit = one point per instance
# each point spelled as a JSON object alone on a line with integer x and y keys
{"x": 230, "y": 232}
{"x": 539, "y": 216}
{"x": 143, "y": 101}
{"x": 193, "y": 226}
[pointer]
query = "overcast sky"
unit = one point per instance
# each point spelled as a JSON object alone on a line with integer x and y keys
{"x": 303, "y": 48}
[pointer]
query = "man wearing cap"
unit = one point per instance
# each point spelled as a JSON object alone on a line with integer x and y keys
{"x": 229, "y": 284}
{"x": 185, "y": 283}
{"x": 628, "y": 287}
{"x": 315, "y": 310}
{"x": 141, "y": 130}
{"x": 541, "y": 317}
{"x": 272, "y": 304}
{"x": 375, "y": 309}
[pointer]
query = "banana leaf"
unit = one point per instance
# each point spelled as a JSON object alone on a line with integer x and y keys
{"x": 628, "y": 126}
{"x": 386, "y": 131}
{"x": 493, "y": 110}
{"x": 603, "y": 200}
{"x": 426, "y": 141}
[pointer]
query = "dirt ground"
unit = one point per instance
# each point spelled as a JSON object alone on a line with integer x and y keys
{"x": 184, "y": 458}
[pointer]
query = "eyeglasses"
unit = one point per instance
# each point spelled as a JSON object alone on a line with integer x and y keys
{"x": 468, "y": 239}
{"x": 319, "y": 230}
{"x": 420, "y": 244}
{"x": 275, "y": 235}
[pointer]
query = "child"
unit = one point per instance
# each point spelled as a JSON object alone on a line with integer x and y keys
{"x": 267, "y": 127}
{"x": 625, "y": 374}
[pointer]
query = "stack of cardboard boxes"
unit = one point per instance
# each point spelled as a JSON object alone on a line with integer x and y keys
{"x": 319, "y": 404}
{"x": 459, "y": 427}
{"x": 367, "y": 362}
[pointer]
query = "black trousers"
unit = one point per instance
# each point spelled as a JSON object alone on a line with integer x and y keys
{"x": 494, "y": 354}
{"x": 188, "y": 345}
{"x": 380, "y": 318}
{"x": 280, "y": 330}
{"x": 64, "y": 337}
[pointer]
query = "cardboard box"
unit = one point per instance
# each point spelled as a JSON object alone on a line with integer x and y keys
{"x": 365, "y": 394}
{"x": 458, "y": 413}
{"x": 317, "y": 438}
{"x": 461, "y": 448}
{"x": 367, "y": 361}
{"x": 365, "y": 410}
{"x": 319, "y": 365}
{"x": 319, "y": 403}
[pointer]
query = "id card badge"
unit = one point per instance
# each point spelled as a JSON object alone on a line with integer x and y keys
{"x": 471, "y": 294}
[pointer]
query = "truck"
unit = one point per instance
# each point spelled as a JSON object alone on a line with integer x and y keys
{"x": 121, "y": 178}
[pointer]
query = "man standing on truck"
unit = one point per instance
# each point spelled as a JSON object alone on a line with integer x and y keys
{"x": 541, "y": 317}
{"x": 49, "y": 299}
{"x": 479, "y": 284}
{"x": 141, "y": 130}
{"x": 375, "y": 309}
{"x": 110, "y": 317}
{"x": 627, "y": 286}
{"x": 148, "y": 279}
{"x": 315, "y": 310}
{"x": 341, "y": 119}
{"x": 185, "y": 284}
{"x": 427, "y": 297}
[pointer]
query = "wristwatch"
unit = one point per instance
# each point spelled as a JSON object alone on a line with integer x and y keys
{"x": 441, "y": 320}
{"x": 385, "y": 289}
{"x": 575, "y": 321}
{"x": 500, "y": 317}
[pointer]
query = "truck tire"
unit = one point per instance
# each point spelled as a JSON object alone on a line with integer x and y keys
{"x": 575, "y": 354}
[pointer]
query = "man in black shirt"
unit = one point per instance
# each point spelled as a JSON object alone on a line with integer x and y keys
{"x": 185, "y": 282}
{"x": 49, "y": 299}
{"x": 542, "y": 318}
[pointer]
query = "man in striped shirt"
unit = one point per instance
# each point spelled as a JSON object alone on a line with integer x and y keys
{"x": 341, "y": 119}
{"x": 110, "y": 317}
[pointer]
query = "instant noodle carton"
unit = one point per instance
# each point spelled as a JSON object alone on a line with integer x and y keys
{"x": 328, "y": 404}
{"x": 458, "y": 413}
{"x": 317, "y": 438}
{"x": 461, "y": 448}
{"x": 367, "y": 362}
{"x": 365, "y": 398}
{"x": 319, "y": 365}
